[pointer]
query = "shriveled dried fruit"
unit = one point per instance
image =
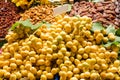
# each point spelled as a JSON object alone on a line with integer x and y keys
{"x": 117, "y": 10}
{"x": 103, "y": 12}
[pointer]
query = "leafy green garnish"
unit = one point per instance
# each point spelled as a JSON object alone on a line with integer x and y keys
{"x": 36, "y": 26}
{"x": 110, "y": 29}
{"x": 14, "y": 25}
{"x": 117, "y": 39}
{"x": 48, "y": 25}
{"x": 2, "y": 43}
{"x": 112, "y": 43}
{"x": 107, "y": 44}
{"x": 26, "y": 23}
{"x": 118, "y": 57}
{"x": 69, "y": 7}
{"x": 97, "y": 26}
{"x": 117, "y": 32}
{"x": 116, "y": 42}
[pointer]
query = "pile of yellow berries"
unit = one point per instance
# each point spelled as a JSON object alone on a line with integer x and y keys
{"x": 68, "y": 48}
{"x": 24, "y": 4}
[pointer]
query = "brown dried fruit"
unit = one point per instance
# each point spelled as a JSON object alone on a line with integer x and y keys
{"x": 101, "y": 11}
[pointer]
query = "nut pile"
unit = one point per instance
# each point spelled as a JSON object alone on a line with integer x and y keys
{"x": 8, "y": 15}
{"x": 39, "y": 13}
{"x": 103, "y": 12}
{"x": 117, "y": 10}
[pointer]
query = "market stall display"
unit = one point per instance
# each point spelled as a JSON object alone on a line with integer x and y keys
{"x": 43, "y": 43}
{"x": 68, "y": 48}
{"x": 39, "y": 13}
{"x": 8, "y": 15}
{"x": 103, "y": 12}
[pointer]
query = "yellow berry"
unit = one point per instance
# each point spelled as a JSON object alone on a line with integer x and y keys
{"x": 49, "y": 76}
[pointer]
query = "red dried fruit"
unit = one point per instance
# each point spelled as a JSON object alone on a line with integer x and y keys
{"x": 8, "y": 15}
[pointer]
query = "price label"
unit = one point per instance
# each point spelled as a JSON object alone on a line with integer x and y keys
{"x": 1, "y": 39}
{"x": 60, "y": 9}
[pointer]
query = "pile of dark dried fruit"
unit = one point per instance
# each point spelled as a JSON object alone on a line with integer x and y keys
{"x": 117, "y": 10}
{"x": 8, "y": 15}
{"x": 103, "y": 12}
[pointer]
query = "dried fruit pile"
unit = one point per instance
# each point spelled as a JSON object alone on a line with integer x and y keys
{"x": 67, "y": 48}
{"x": 117, "y": 10}
{"x": 103, "y": 12}
{"x": 39, "y": 45}
{"x": 39, "y": 13}
{"x": 8, "y": 15}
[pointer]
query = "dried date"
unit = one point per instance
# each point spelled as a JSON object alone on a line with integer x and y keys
{"x": 104, "y": 12}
